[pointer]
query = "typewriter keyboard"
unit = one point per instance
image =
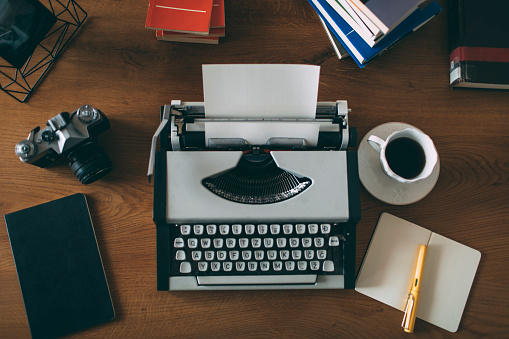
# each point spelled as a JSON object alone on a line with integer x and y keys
{"x": 256, "y": 249}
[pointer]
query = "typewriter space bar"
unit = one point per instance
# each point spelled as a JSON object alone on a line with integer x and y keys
{"x": 256, "y": 279}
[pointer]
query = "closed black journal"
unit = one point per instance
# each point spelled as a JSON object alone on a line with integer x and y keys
{"x": 59, "y": 267}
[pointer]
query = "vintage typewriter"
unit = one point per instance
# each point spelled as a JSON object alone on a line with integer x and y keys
{"x": 236, "y": 214}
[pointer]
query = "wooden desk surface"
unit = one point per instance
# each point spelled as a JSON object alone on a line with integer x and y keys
{"x": 117, "y": 65}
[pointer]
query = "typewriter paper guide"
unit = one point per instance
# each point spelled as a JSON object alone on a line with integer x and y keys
{"x": 325, "y": 200}
{"x": 260, "y": 91}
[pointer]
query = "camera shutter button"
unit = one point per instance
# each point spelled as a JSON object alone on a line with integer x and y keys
{"x": 25, "y": 149}
{"x": 87, "y": 114}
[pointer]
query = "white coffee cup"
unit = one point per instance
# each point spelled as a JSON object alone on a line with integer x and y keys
{"x": 409, "y": 159}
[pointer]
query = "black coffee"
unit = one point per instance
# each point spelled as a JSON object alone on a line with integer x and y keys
{"x": 405, "y": 157}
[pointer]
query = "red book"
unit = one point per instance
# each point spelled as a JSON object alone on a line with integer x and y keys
{"x": 180, "y": 15}
{"x": 217, "y": 19}
{"x": 217, "y": 25}
{"x": 213, "y": 33}
{"x": 198, "y": 40}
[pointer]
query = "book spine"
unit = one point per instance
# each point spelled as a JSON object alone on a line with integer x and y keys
{"x": 455, "y": 33}
{"x": 151, "y": 6}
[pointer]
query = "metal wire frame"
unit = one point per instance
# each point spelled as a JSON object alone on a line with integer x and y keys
{"x": 19, "y": 83}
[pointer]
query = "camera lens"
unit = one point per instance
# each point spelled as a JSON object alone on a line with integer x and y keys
{"x": 89, "y": 162}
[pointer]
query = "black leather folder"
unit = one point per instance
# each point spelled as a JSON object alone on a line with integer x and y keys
{"x": 59, "y": 267}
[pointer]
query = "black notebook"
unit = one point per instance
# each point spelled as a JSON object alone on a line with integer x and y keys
{"x": 59, "y": 267}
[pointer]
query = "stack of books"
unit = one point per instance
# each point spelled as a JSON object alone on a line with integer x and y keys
{"x": 367, "y": 28}
{"x": 198, "y": 21}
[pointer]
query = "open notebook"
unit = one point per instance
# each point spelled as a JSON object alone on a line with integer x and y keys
{"x": 390, "y": 262}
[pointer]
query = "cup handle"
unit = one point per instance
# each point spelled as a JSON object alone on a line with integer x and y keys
{"x": 376, "y": 143}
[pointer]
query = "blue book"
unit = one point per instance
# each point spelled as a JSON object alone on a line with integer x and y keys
{"x": 360, "y": 51}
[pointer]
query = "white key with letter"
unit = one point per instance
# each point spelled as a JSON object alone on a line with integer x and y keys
{"x": 272, "y": 255}
{"x": 205, "y": 243}
{"x": 227, "y": 266}
{"x": 243, "y": 242}
{"x": 284, "y": 255}
{"x": 240, "y": 266}
{"x": 256, "y": 242}
{"x": 218, "y": 242}
{"x": 325, "y": 228}
{"x": 319, "y": 242}
{"x": 221, "y": 255}
{"x": 252, "y": 265}
{"x": 230, "y": 242}
{"x": 246, "y": 255}
{"x": 192, "y": 243}
{"x": 196, "y": 255}
{"x": 209, "y": 255}
{"x": 202, "y": 266}
{"x": 234, "y": 255}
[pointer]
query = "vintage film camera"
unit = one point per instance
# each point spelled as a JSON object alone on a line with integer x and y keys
{"x": 73, "y": 136}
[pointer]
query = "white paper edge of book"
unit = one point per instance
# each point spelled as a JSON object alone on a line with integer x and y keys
{"x": 363, "y": 32}
{"x": 336, "y": 44}
{"x": 342, "y": 36}
{"x": 350, "y": 8}
{"x": 389, "y": 265}
{"x": 360, "y": 7}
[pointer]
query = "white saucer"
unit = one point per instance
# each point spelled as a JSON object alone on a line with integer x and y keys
{"x": 378, "y": 183}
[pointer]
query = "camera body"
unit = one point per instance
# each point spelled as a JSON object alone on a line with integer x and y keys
{"x": 73, "y": 136}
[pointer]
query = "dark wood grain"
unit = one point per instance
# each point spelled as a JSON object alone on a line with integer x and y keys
{"x": 117, "y": 65}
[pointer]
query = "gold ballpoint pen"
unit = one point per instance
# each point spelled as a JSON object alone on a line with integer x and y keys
{"x": 415, "y": 291}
